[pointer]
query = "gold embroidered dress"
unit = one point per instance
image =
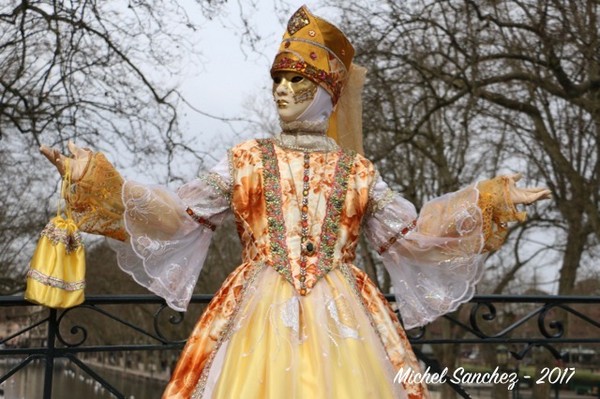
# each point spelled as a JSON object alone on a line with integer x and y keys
{"x": 289, "y": 322}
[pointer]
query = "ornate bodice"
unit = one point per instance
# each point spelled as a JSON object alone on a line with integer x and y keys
{"x": 283, "y": 199}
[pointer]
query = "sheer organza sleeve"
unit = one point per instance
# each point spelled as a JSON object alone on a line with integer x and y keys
{"x": 435, "y": 259}
{"x": 169, "y": 233}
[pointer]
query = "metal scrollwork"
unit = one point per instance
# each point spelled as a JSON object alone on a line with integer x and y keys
{"x": 489, "y": 316}
{"x": 82, "y": 330}
{"x": 554, "y": 324}
{"x": 174, "y": 319}
{"x": 75, "y": 330}
{"x": 417, "y": 333}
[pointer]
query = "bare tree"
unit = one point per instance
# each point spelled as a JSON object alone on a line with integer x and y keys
{"x": 103, "y": 73}
{"x": 21, "y": 217}
{"x": 459, "y": 90}
{"x": 463, "y": 89}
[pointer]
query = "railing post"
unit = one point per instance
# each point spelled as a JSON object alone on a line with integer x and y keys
{"x": 50, "y": 355}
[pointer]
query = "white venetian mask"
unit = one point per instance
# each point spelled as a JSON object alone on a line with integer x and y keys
{"x": 293, "y": 93}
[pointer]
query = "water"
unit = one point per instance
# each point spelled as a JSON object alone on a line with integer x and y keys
{"x": 70, "y": 382}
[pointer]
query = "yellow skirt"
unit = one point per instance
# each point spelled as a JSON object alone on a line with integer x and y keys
{"x": 278, "y": 344}
{"x": 318, "y": 346}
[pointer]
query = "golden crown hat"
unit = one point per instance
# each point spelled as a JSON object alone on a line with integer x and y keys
{"x": 317, "y": 50}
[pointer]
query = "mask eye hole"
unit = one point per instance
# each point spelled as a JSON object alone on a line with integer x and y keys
{"x": 297, "y": 79}
{"x": 277, "y": 79}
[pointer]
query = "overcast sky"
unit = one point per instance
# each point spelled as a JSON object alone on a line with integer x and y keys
{"x": 231, "y": 73}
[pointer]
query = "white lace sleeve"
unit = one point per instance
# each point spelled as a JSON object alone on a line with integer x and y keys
{"x": 170, "y": 233}
{"x": 434, "y": 259}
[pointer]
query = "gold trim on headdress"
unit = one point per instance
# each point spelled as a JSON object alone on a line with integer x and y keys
{"x": 316, "y": 49}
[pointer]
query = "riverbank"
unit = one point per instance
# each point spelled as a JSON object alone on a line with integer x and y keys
{"x": 69, "y": 381}
{"x": 139, "y": 372}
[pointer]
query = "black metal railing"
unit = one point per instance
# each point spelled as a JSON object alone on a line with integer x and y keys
{"x": 525, "y": 323}
{"x": 518, "y": 322}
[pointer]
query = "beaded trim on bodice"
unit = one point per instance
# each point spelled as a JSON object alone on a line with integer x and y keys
{"x": 323, "y": 262}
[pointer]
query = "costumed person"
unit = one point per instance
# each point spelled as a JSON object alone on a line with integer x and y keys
{"x": 297, "y": 319}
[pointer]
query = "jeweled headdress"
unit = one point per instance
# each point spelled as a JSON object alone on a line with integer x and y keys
{"x": 316, "y": 49}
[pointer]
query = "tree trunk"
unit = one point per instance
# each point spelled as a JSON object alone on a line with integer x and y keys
{"x": 574, "y": 249}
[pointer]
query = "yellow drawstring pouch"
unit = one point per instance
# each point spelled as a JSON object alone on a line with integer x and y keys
{"x": 56, "y": 276}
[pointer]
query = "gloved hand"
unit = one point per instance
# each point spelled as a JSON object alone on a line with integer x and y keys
{"x": 526, "y": 195}
{"x": 79, "y": 160}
